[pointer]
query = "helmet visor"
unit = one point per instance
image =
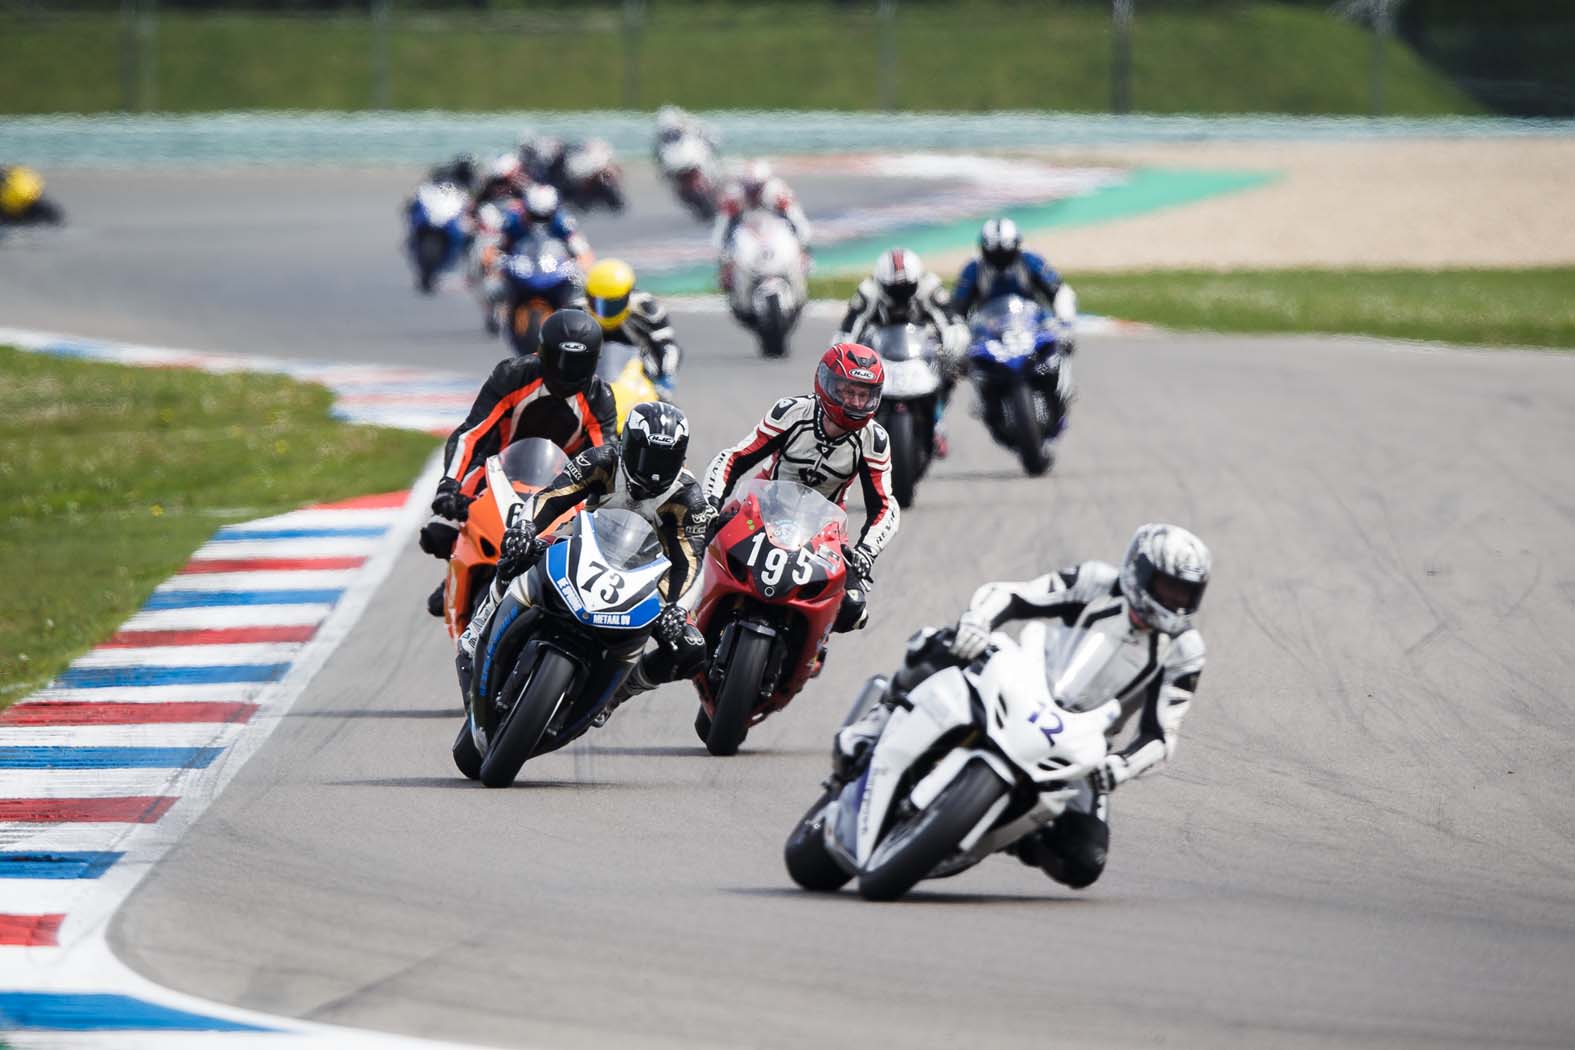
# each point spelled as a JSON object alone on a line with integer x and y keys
{"x": 609, "y": 308}
{"x": 576, "y": 365}
{"x": 1172, "y": 592}
{"x": 857, "y": 398}
{"x": 900, "y": 292}
{"x": 653, "y": 467}
{"x": 1001, "y": 256}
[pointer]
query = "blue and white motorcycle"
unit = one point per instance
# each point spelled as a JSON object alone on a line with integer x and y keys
{"x": 979, "y": 757}
{"x": 1021, "y": 376}
{"x": 544, "y": 662}
{"x": 436, "y": 238}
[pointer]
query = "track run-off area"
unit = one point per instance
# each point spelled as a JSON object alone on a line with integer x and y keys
{"x": 1364, "y": 839}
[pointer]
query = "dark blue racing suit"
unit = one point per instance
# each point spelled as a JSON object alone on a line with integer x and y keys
{"x": 518, "y": 226}
{"x": 1030, "y": 276}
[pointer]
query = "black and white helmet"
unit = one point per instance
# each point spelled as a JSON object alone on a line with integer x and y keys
{"x": 897, "y": 275}
{"x": 1163, "y": 576}
{"x": 655, "y": 444}
{"x": 1000, "y": 242}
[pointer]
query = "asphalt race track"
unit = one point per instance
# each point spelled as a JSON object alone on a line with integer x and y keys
{"x": 1366, "y": 838}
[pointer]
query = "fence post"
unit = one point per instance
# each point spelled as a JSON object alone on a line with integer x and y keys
{"x": 1383, "y": 27}
{"x": 382, "y": 57}
{"x": 1121, "y": 15}
{"x": 633, "y": 17}
{"x": 128, "y": 55}
{"x": 886, "y": 31}
{"x": 147, "y": 56}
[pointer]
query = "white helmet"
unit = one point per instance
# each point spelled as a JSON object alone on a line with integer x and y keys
{"x": 897, "y": 273}
{"x": 541, "y": 202}
{"x": 756, "y": 174}
{"x": 1163, "y": 576}
{"x": 669, "y": 118}
{"x": 504, "y": 166}
{"x": 1000, "y": 242}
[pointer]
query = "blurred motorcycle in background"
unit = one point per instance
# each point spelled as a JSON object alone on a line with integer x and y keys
{"x": 436, "y": 238}
{"x": 1021, "y": 377}
{"x": 766, "y": 276}
{"x": 690, "y": 167}
{"x": 538, "y": 279}
{"x": 22, "y": 200}
{"x": 909, "y": 400}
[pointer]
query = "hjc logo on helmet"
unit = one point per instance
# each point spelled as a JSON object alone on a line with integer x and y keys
{"x": 572, "y": 348}
{"x": 862, "y": 373}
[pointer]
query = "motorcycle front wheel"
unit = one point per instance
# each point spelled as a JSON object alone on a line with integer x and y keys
{"x": 904, "y": 456}
{"x": 525, "y": 724}
{"x": 773, "y": 330}
{"x": 808, "y": 861}
{"x": 1030, "y": 438}
{"x": 912, "y": 849}
{"x": 738, "y": 694}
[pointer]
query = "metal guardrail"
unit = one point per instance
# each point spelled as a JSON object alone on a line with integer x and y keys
{"x": 422, "y": 138}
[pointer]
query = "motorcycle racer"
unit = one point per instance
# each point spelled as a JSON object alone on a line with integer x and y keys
{"x": 634, "y": 318}
{"x": 643, "y": 473}
{"x": 758, "y": 188}
{"x": 902, "y": 291}
{"x": 1146, "y": 608}
{"x": 826, "y": 441}
{"x": 1003, "y": 268}
{"x": 674, "y": 125}
{"x": 504, "y": 180}
{"x": 554, "y": 394}
{"x": 540, "y": 213}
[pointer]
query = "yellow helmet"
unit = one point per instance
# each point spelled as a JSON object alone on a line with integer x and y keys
{"x": 20, "y": 189}
{"x": 607, "y": 287}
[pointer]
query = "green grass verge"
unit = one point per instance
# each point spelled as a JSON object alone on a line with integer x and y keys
{"x": 1249, "y": 57}
{"x": 1525, "y": 307}
{"x": 112, "y": 476}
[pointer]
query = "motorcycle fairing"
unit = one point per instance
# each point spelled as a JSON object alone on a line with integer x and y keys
{"x": 616, "y": 599}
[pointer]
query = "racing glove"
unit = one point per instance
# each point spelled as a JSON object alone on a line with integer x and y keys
{"x": 860, "y": 563}
{"x": 520, "y": 549}
{"x": 449, "y": 502}
{"x": 668, "y": 627}
{"x": 1110, "y": 774}
{"x": 437, "y": 538}
{"x": 971, "y": 637}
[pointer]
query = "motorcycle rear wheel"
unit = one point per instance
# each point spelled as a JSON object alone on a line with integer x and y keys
{"x": 932, "y": 835}
{"x": 738, "y": 694}
{"x": 523, "y": 727}
{"x": 808, "y": 861}
{"x": 773, "y": 330}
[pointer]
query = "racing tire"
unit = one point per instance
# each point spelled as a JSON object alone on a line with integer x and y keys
{"x": 431, "y": 246}
{"x": 466, "y": 758}
{"x": 1030, "y": 439}
{"x": 527, "y": 721}
{"x": 905, "y": 458}
{"x": 911, "y": 851}
{"x": 738, "y": 693}
{"x": 773, "y": 330}
{"x": 808, "y": 861}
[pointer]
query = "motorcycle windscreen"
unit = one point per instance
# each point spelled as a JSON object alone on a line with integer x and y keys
{"x": 1088, "y": 666}
{"x": 901, "y": 342}
{"x": 533, "y": 462}
{"x": 792, "y": 514}
{"x": 625, "y": 539}
{"x": 1004, "y": 314}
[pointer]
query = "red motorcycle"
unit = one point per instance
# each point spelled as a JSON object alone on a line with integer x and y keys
{"x": 770, "y": 590}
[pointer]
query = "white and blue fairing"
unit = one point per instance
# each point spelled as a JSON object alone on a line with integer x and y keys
{"x": 609, "y": 571}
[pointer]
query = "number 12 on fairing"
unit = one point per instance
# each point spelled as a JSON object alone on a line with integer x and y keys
{"x": 776, "y": 562}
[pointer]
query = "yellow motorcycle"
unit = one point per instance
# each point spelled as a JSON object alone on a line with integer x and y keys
{"x": 623, "y": 369}
{"x": 22, "y": 198}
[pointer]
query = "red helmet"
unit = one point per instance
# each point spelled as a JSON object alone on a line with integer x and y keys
{"x": 848, "y": 384}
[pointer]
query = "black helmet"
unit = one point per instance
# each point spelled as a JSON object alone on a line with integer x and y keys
{"x": 1000, "y": 243}
{"x": 655, "y": 443}
{"x": 571, "y": 346}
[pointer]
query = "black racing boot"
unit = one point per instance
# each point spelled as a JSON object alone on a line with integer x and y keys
{"x": 634, "y": 683}
{"x": 435, "y": 601}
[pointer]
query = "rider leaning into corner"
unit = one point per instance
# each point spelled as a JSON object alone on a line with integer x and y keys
{"x": 675, "y": 125}
{"x": 634, "y": 318}
{"x": 826, "y": 441}
{"x": 1146, "y": 607}
{"x": 1003, "y": 268}
{"x": 553, "y": 394}
{"x": 902, "y": 291}
{"x": 643, "y": 473}
{"x": 757, "y": 189}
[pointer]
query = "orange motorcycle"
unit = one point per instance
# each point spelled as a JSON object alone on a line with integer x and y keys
{"x": 501, "y": 490}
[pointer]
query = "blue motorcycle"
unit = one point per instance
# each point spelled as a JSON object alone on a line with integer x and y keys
{"x": 436, "y": 239}
{"x": 1019, "y": 373}
{"x": 539, "y": 278}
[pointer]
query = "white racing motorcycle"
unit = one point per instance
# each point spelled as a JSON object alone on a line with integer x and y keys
{"x": 770, "y": 278}
{"x": 689, "y": 166}
{"x": 981, "y": 756}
